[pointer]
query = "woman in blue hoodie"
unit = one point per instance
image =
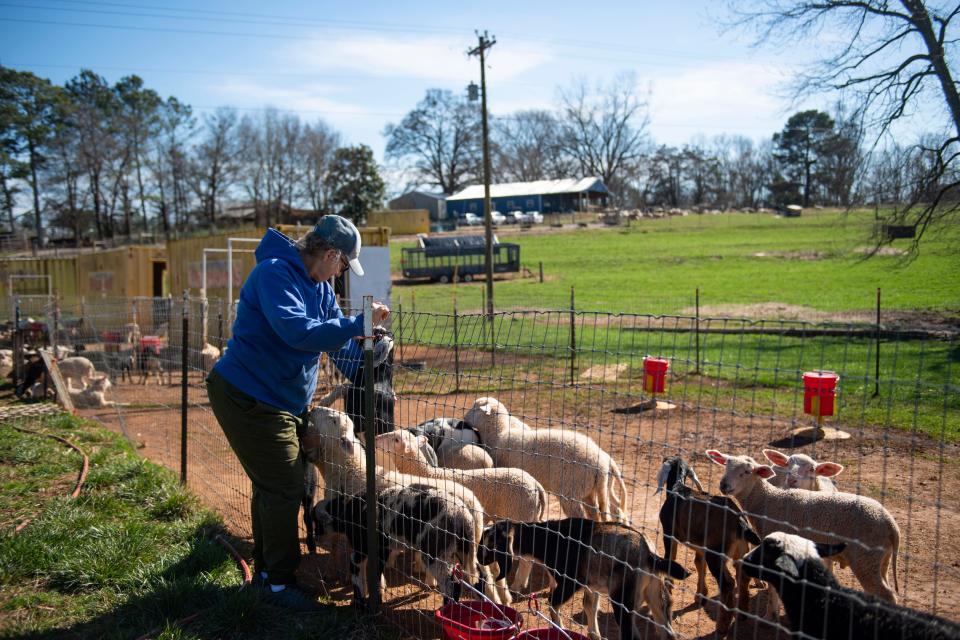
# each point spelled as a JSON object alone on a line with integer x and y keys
{"x": 259, "y": 390}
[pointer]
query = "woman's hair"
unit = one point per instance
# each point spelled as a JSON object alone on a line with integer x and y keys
{"x": 313, "y": 244}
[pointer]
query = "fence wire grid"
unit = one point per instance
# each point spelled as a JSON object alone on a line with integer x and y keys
{"x": 733, "y": 385}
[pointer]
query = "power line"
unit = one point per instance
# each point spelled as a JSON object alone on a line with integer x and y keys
{"x": 263, "y": 19}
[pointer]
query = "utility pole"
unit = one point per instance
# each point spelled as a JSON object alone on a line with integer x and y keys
{"x": 485, "y": 42}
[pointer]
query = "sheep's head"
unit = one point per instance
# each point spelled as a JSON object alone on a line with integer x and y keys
{"x": 802, "y": 470}
{"x": 741, "y": 472}
{"x": 100, "y": 383}
{"x": 488, "y": 416}
{"x": 785, "y": 555}
{"x": 325, "y": 426}
{"x": 401, "y": 450}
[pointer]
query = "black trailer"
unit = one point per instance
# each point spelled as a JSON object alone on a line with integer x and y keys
{"x": 463, "y": 257}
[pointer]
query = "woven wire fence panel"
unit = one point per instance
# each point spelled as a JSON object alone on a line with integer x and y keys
{"x": 733, "y": 385}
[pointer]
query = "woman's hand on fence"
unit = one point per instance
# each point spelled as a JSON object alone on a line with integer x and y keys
{"x": 380, "y": 312}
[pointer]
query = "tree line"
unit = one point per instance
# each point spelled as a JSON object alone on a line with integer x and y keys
{"x": 94, "y": 160}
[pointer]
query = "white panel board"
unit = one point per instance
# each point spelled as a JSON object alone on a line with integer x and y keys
{"x": 375, "y": 280}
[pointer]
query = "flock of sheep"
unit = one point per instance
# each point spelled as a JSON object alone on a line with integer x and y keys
{"x": 473, "y": 493}
{"x": 86, "y": 385}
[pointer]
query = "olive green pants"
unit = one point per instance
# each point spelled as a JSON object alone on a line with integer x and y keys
{"x": 265, "y": 441}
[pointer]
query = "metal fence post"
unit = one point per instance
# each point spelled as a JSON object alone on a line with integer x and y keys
{"x": 183, "y": 388}
{"x": 399, "y": 334}
{"x": 56, "y": 321}
{"x": 456, "y": 347}
{"x": 220, "y": 329}
{"x": 876, "y": 382}
{"x": 17, "y": 345}
{"x": 370, "y": 434}
{"x": 573, "y": 339}
{"x": 696, "y": 332}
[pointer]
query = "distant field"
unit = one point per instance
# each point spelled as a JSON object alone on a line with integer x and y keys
{"x": 654, "y": 266}
{"x": 754, "y": 265}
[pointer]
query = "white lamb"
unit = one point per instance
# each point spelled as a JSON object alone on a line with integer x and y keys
{"x": 870, "y": 532}
{"x": 463, "y": 455}
{"x": 329, "y": 442}
{"x": 568, "y": 464}
{"x": 800, "y": 471}
{"x": 209, "y": 356}
{"x": 77, "y": 372}
{"x": 6, "y": 362}
{"x": 94, "y": 395}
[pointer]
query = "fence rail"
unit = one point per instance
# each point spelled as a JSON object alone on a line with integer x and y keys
{"x": 734, "y": 385}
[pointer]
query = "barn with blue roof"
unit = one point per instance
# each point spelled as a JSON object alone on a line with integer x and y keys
{"x": 545, "y": 196}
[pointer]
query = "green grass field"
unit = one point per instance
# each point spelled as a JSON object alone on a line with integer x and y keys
{"x": 741, "y": 263}
{"x": 133, "y": 554}
{"x": 655, "y": 266}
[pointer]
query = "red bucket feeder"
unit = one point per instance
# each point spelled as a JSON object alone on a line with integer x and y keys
{"x": 819, "y": 390}
{"x": 655, "y": 374}
{"x": 151, "y": 343}
{"x": 475, "y": 620}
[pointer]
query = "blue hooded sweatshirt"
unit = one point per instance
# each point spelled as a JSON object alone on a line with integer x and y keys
{"x": 284, "y": 321}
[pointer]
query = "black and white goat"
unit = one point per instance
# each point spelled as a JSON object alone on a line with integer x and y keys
{"x": 713, "y": 526}
{"x": 454, "y": 443}
{"x": 437, "y": 524}
{"x": 819, "y": 607}
{"x": 578, "y": 553}
{"x": 384, "y": 398}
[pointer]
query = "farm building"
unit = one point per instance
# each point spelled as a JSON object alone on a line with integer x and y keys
{"x": 435, "y": 203}
{"x": 401, "y": 221}
{"x": 545, "y": 196}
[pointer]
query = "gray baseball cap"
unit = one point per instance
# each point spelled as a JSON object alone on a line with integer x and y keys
{"x": 343, "y": 235}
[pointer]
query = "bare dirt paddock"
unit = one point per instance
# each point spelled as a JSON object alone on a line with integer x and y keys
{"x": 917, "y": 479}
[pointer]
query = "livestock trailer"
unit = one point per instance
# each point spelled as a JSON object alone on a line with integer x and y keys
{"x": 461, "y": 257}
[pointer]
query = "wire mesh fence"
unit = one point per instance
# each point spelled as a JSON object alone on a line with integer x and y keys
{"x": 735, "y": 386}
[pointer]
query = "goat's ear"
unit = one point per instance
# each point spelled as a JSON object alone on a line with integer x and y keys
{"x": 828, "y": 469}
{"x": 421, "y": 441}
{"x": 764, "y": 471}
{"x": 787, "y": 565}
{"x": 825, "y": 550}
{"x": 778, "y": 459}
{"x": 716, "y": 456}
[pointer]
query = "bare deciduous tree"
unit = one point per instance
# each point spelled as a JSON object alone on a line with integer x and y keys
{"x": 894, "y": 55}
{"x": 605, "y": 130}
{"x": 526, "y": 147}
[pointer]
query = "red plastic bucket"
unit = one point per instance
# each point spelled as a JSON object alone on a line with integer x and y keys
{"x": 655, "y": 374}
{"x": 462, "y": 620}
{"x": 819, "y": 389}
{"x": 550, "y": 633}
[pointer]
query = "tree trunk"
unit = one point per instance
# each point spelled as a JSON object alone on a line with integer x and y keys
{"x": 921, "y": 20}
{"x": 34, "y": 186}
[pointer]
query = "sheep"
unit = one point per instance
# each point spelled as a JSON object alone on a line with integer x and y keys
{"x": 330, "y": 443}
{"x": 76, "y": 370}
{"x": 568, "y": 464}
{"x": 94, "y": 395}
{"x": 6, "y": 362}
{"x": 457, "y": 445}
{"x": 511, "y": 494}
{"x": 800, "y": 471}
{"x": 150, "y": 364}
{"x": 823, "y": 517}
{"x": 439, "y": 525}
{"x": 579, "y": 553}
{"x": 33, "y": 368}
{"x": 209, "y": 355}
{"x": 819, "y": 607}
{"x": 713, "y": 526}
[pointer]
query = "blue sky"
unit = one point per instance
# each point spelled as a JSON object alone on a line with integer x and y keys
{"x": 360, "y": 65}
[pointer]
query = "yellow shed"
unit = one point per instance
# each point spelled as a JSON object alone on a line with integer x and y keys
{"x": 28, "y": 276}
{"x": 401, "y": 222}
{"x": 125, "y": 272}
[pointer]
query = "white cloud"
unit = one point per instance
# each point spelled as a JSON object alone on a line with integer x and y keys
{"x": 729, "y": 97}
{"x": 310, "y": 100}
{"x": 425, "y": 57}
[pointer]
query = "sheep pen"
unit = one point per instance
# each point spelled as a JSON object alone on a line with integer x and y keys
{"x": 910, "y": 471}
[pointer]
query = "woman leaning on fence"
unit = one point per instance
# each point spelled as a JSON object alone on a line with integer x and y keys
{"x": 259, "y": 390}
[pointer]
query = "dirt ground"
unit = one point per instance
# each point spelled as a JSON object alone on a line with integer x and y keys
{"x": 917, "y": 479}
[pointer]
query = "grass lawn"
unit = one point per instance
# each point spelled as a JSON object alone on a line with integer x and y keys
{"x": 655, "y": 266}
{"x": 133, "y": 554}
